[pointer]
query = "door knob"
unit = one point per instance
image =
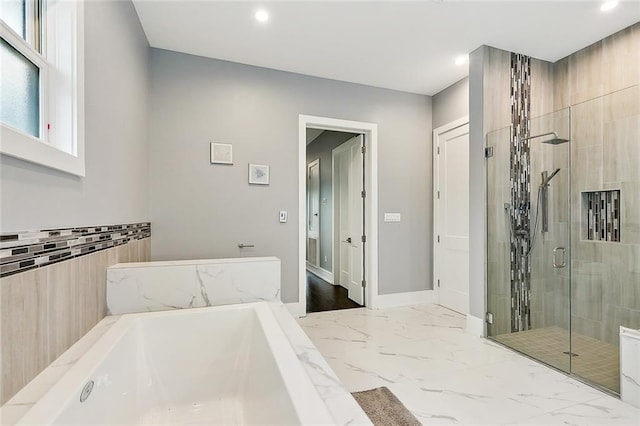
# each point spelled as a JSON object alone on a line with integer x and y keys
{"x": 349, "y": 240}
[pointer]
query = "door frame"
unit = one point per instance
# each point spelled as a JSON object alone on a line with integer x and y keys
{"x": 437, "y": 133}
{"x": 370, "y": 130}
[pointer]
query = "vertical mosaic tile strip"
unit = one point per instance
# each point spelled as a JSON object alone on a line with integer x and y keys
{"x": 520, "y": 210}
{"x": 603, "y": 215}
{"x": 21, "y": 251}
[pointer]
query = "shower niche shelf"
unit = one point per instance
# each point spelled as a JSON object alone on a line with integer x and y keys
{"x": 601, "y": 215}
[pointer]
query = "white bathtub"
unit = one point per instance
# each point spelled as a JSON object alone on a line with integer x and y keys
{"x": 219, "y": 365}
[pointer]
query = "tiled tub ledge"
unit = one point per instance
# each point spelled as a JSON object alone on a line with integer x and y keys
{"x": 339, "y": 403}
{"x": 630, "y": 366}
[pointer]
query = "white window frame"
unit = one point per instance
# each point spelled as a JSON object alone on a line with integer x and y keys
{"x": 60, "y": 144}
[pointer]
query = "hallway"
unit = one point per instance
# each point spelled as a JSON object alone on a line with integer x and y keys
{"x": 322, "y": 296}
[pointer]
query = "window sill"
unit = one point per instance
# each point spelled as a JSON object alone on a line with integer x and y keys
{"x": 25, "y": 147}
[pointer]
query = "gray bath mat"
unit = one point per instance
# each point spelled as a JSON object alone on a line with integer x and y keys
{"x": 384, "y": 409}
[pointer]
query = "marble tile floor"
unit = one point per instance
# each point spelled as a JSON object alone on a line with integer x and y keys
{"x": 446, "y": 376}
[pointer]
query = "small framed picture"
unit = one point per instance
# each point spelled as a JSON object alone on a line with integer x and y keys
{"x": 221, "y": 153}
{"x": 258, "y": 174}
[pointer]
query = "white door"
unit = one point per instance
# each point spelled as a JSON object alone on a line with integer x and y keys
{"x": 348, "y": 199}
{"x": 313, "y": 212}
{"x": 452, "y": 216}
{"x": 341, "y": 200}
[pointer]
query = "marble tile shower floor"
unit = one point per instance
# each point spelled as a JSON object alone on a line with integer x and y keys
{"x": 446, "y": 376}
{"x": 594, "y": 360}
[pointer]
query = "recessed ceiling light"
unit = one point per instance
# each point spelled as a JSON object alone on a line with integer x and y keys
{"x": 262, "y": 15}
{"x": 608, "y": 5}
{"x": 461, "y": 60}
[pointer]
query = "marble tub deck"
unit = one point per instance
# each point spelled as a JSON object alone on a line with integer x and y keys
{"x": 446, "y": 376}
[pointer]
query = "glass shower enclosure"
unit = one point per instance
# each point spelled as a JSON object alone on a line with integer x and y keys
{"x": 563, "y": 244}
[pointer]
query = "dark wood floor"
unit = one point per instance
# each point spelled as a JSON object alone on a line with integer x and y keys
{"x": 322, "y": 296}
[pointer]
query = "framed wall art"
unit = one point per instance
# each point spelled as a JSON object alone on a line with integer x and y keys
{"x": 258, "y": 174}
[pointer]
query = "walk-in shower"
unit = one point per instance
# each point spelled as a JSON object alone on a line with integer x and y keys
{"x": 563, "y": 235}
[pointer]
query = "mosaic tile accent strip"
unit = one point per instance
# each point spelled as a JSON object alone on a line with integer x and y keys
{"x": 21, "y": 251}
{"x": 520, "y": 209}
{"x": 603, "y": 215}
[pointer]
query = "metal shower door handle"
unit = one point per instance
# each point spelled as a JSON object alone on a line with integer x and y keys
{"x": 563, "y": 263}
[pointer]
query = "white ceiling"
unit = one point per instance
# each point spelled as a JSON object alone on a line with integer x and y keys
{"x": 408, "y": 46}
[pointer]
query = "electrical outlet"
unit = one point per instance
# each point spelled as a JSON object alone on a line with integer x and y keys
{"x": 283, "y": 217}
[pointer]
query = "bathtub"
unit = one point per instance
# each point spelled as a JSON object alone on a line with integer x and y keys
{"x": 217, "y": 365}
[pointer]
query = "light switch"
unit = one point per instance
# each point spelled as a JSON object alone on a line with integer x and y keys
{"x": 283, "y": 217}
{"x": 392, "y": 217}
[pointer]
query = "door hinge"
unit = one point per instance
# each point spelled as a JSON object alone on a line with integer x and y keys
{"x": 364, "y": 149}
{"x": 438, "y": 283}
{"x": 438, "y": 150}
{"x": 364, "y": 283}
{"x": 438, "y": 195}
{"x": 438, "y": 238}
{"x": 489, "y": 318}
{"x": 488, "y": 152}
{"x": 364, "y": 194}
{"x": 364, "y": 239}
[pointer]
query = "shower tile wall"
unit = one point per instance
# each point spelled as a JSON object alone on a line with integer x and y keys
{"x": 606, "y": 276}
{"x": 600, "y": 83}
{"x": 550, "y": 286}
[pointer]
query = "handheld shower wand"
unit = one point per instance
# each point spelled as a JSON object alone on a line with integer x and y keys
{"x": 543, "y": 197}
{"x": 546, "y": 180}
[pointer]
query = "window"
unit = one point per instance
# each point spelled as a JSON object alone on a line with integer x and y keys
{"x": 41, "y": 83}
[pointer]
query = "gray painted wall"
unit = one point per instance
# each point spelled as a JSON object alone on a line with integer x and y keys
{"x": 321, "y": 148}
{"x": 201, "y": 210}
{"x": 116, "y": 183}
{"x": 451, "y": 103}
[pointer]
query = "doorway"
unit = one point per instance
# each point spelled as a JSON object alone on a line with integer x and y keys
{"x": 451, "y": 215}
{"x": 347, "y": 252}
{"x": 335, "y": 171}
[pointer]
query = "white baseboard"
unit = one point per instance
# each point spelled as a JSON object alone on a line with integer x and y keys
{"x": 297, "y": 309}
{"x": 320, "y": 272}
{"x": 475, "y": 326}
{"x": 404, "y": 299}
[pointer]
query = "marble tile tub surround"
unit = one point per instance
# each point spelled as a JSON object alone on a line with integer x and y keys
{"x": 159, "y": 286}
{"x": 446, "y": 376}
{"x": 24, "y": 250}
{"x": 340, "y": 403}
{"x": 630, "y": 366}
{"x": 46, "y": 310}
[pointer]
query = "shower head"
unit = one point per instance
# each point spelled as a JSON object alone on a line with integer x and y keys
{"x": 555, "y": 140}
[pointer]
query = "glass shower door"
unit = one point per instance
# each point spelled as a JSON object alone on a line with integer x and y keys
{"x": 528, "y": 214}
